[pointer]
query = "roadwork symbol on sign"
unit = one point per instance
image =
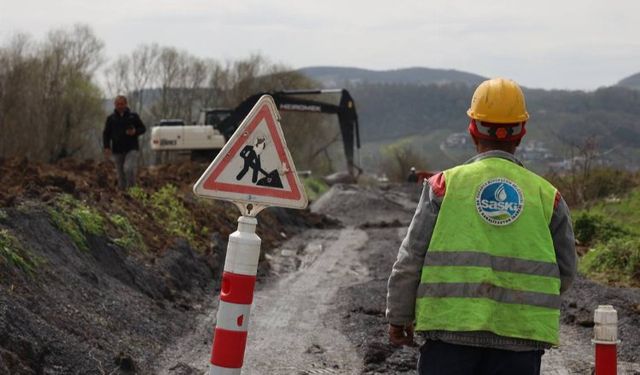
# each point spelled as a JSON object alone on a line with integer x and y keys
{"x": 255, "y": 166}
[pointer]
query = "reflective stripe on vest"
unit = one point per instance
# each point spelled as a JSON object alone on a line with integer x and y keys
{"x": 483, "y": 275}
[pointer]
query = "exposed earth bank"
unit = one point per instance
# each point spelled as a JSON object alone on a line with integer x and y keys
{"x": 100, "y": 305}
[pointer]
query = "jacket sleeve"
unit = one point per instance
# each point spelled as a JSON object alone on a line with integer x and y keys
{"x": 564, "y": 244}
{"x": 405, "y": 275}
{"x": 140, "y": 128}
{"x": 106, "y": 134}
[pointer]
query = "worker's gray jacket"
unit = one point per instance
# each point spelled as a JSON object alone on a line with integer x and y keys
{"x": 405, "y": 276}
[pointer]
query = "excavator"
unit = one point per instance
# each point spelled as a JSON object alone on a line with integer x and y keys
{"x": 215, "y": 126}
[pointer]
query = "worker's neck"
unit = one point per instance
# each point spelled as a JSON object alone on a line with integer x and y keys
{"x": 482, "y": 150}
{"x": 483, "y": 146}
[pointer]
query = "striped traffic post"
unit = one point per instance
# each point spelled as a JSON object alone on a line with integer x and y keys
{"x": 236, "y": 296}
{"x": 605, "y": 338}
{"x": 227, "y": 179}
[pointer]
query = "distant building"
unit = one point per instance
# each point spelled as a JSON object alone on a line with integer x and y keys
{"x": 578, "y": 162}
{"x": 457, "y": 140}
{"x": 533, "y": 150}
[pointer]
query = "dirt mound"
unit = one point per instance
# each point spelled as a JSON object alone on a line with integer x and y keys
{"x": 364, "y": 206}
{"x": 95, "y": 280}
{"x": 584, "y": 297}
{"x": 102, "y": 309}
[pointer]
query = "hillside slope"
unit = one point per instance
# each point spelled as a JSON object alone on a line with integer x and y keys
{"x": 331, "y": 76}
{"x": 93, "y": 280}
{"x": 631, "y": 82}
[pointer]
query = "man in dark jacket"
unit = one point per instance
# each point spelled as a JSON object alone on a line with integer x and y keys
{"x": 120, "y": 139}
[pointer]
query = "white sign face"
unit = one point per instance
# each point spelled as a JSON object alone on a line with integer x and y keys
{"x": 255, "y": 166}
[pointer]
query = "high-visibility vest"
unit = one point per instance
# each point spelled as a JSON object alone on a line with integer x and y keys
{"x": 491, "y": 264}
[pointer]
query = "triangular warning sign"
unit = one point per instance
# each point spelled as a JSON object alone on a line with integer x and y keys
{"x": 255, "y": 165}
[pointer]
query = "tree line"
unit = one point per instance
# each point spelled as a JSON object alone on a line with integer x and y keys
{"x": 49, "y": 100}
{"x": 52, "y": 105}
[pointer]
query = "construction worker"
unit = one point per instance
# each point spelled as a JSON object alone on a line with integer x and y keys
{"x": 120, "y": 140}
{"x": 487, "y": 254}
{"x": 413, "y": 177}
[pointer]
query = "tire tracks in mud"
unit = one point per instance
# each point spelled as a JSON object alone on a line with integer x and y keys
{"x": 322, "y": 309}
{"x": 293, "y": 327}
{"x": 294, "y": 331}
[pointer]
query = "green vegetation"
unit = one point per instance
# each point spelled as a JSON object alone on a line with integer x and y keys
{"x": 615, "y": 261}
{"x": 597, "y": 187}
{"x": 140, "y": 195}
{"x": 76, "y": 219}
{"x": 608, "y": 229}
{"x": 130, "y": 238}
{"x": 314, "y": 187}
{"x": 11, "y": 251}
{"x": 168, "y": 211}
{"x": 590, "y": 228}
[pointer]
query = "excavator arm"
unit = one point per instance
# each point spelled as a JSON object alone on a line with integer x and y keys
{"x": 298, "y": 101}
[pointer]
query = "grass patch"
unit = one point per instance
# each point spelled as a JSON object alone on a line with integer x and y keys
{"x": 12, "y": 252}
{"x": 76, "y": 219}
{"x": 591, "y": 228}
{"x": 139, "y": 194}
{"x": 168, "y": 211}
{"x": 608, "y": 228}
{"x": 314, "y": 187}
{"x": 623, "y": 209}
{"x": 616, "y": 261}
{"x": 130, "y": 238}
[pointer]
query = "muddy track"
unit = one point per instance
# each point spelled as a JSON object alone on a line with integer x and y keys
{"x": 321, "y": 310}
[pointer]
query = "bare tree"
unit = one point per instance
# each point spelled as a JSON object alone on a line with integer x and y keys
{"x": 48, "y": 101}
{"x": 398, "y": 158}
{"x": 143, "y": 71}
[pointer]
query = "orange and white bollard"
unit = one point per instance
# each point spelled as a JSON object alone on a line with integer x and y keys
{"x": 236, "y": 296}
{"x": 605, "y": 338}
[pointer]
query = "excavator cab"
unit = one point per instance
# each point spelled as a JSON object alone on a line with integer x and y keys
{"x": 214, "y": 116}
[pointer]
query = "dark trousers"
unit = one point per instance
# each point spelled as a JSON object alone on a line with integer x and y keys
{"x": 440, "y": 358}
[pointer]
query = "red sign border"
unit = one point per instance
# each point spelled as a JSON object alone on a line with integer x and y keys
{"x": 210, "y": 183}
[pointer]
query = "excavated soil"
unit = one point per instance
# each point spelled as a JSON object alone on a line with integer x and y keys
{"x": 106, "y": 309}
{"x": 362, "y": 305}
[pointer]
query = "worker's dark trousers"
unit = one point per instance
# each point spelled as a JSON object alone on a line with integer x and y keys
{"x": 439, "y": 358}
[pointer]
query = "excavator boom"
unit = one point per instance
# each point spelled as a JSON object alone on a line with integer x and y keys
{"x": 298, "y": 101}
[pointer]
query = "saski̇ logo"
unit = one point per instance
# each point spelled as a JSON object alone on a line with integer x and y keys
{"x": 499, "y": 201}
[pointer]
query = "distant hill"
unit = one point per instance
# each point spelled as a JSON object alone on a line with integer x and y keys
{"x": 632, "y": 82}
{"x": 342, "y": 76}
{"x": 389, "y": 113}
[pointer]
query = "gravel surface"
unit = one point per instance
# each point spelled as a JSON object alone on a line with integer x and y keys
{"x": 320, "y": 310}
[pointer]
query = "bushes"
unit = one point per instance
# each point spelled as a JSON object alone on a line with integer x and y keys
{"x": 617, "y": 261}
{"x": 608, "y": 230}
{"x": 594, "y": 185}
{"x": 590, "y": 228}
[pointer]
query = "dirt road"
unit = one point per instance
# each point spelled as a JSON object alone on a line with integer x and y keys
{"x": 321, "y": 310}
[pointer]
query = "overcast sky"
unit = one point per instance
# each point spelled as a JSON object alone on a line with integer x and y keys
{"x": 574, "y": 44}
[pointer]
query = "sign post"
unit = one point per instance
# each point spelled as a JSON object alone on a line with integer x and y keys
{"x": 254, "y": 170}
{"x": 605, "y": 338}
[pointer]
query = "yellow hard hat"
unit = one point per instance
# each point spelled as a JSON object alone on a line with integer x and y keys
{"x": 498, "y": 101}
